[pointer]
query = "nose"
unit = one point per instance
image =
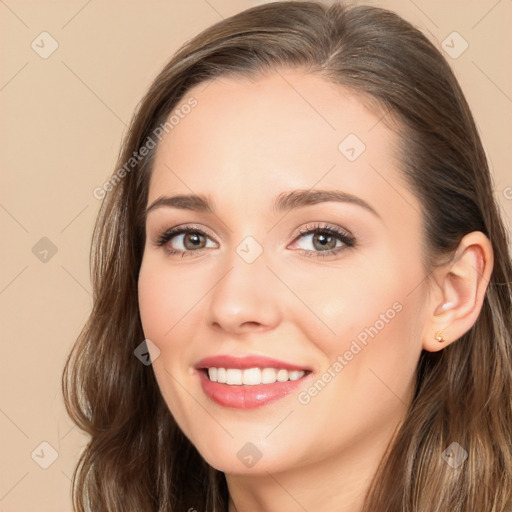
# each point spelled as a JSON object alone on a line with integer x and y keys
{"x": 246, "y": 299}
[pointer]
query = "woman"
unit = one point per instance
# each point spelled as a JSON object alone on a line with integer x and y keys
{"x": 301, "y": 237}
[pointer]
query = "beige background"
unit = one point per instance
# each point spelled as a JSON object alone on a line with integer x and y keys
{"x": 62, "y": 121}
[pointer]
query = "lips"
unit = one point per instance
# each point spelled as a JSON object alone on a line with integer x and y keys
{"x": 222, "y": 380}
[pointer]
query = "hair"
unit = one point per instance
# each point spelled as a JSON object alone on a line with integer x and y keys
{"x": 137, "y": 457}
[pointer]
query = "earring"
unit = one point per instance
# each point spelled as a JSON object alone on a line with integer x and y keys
{"x": 439, "y": 336}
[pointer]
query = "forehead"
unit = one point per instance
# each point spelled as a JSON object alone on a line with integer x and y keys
{"x": 284, "y": 130}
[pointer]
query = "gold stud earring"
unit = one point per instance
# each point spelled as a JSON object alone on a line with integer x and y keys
{"x": 439, "y": 336}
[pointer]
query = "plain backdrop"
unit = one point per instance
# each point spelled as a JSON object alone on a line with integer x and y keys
{"x": 72, "y": 74}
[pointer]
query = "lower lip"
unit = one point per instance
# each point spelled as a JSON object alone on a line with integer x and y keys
{"x": 246, "y": 397}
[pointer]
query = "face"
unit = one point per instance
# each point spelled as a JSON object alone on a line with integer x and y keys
{"x": 313, "y": 303}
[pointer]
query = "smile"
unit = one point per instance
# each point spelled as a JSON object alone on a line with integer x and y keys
{"x": 250, "y": 381}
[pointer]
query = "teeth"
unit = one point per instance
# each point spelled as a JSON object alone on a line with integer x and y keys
{"x": 268, "y": 376}
{"x": 252, "y": 376}
{"x": 221, "y": 375}
{"x": 282, "y": 375}
{"x": 234, "y": 377}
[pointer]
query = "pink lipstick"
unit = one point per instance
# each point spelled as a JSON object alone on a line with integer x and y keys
{"x": 248, "y": 382}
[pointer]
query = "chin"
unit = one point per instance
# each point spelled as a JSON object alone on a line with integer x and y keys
{"x": 243, "y": 458}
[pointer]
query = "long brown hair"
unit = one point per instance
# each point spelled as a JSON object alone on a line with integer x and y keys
{"x": 137, "y": 457}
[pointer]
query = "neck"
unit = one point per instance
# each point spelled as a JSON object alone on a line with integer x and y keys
{"x": 336, "y": 484}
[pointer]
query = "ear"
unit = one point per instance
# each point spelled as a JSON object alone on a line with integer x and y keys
{"x": 459, "y": 291}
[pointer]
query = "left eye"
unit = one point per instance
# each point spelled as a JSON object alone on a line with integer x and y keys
{"x": 325, "y": 240}
{"x": 320, "y": 241}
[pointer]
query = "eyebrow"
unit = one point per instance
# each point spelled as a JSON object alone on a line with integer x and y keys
{"x": 284, "y": 202}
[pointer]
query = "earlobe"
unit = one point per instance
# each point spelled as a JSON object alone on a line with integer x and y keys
{"x": 461, "y": 284}
{"x": 439, "y": 336}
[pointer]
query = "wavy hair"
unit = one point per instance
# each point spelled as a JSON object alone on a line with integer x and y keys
{"x": 137, "y": 458}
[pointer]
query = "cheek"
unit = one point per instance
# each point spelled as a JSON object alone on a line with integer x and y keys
{"x": 369, "y": 315}
{"x": 348, "y": 300}
{"x": 373, "y": 355}
{"x": 166, "y": 305}
{"x": 165, "y": 298}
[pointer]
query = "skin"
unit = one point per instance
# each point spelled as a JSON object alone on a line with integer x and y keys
{"x": 245, "y": 143}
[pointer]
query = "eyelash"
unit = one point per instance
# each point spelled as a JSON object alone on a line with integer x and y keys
{"x": 346, "y": 238}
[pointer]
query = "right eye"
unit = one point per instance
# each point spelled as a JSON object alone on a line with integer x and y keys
{"x": 183, "y": 240}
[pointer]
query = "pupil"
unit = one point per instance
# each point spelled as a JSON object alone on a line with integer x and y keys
{"x": 195, "y": 239}
{"x": 324, "y": 239}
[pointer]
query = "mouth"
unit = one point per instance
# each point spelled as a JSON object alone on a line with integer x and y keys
{"x": 248, "y": 382}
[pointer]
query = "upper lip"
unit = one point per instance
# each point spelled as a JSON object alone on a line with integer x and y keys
{"x": 245, "y": 362}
